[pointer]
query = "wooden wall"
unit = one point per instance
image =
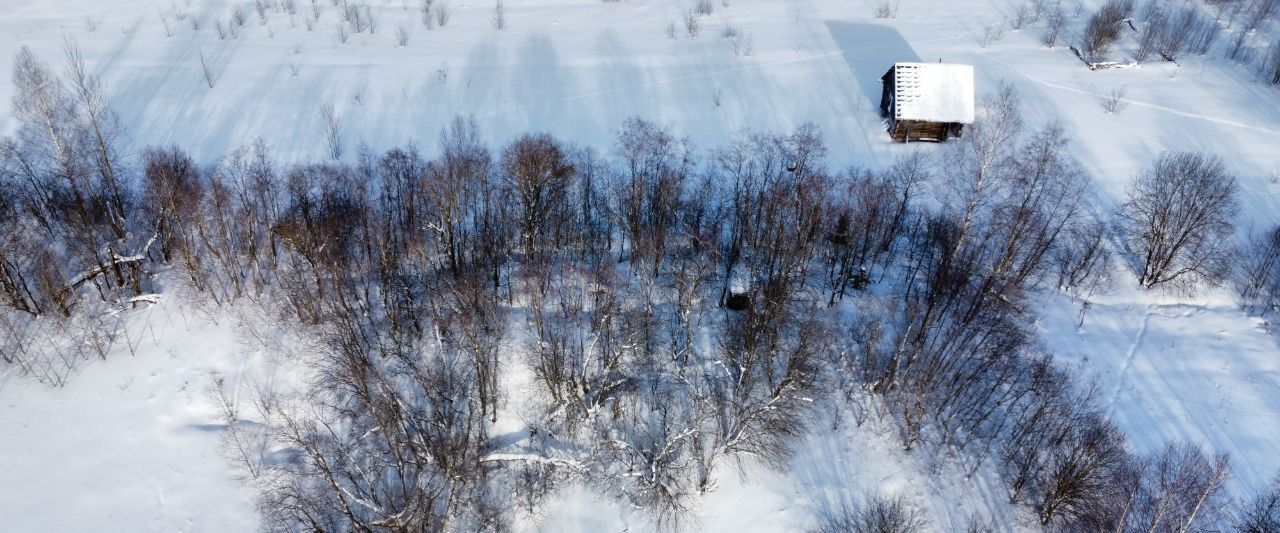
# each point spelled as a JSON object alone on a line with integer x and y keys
{"x": 919, "y": 130}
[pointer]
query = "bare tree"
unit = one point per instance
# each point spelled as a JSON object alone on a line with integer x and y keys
{"x": 262, "y": 9}
{"x": 1115, "y": 101}
{"x": 1186, "y": 489}
{"x": 499, "y": 15}
{"x": 991, "y": 33}
{"x": 1076, "y": 477}
{"x": 332, "y": 131}
{"x": 443, "y": 12}
{"x": 103, "y": 127}
{"x": 19, "y": 260}
{"x": 876, "y": 514}
{"x": 476, "y": 324}
{"x": 242, "y": 206}
{"x": 1171, "y": 31}
{"x": 887, "y": 9}
{"x": 692, "y": 24}
{"x": 1179, "y": 488}
{"x": 1260, "y": 12}
{"x": 538, "y": 174}
{"x": 743, "y": 45}
{"x": 1271, "y": 65}
{"x": 654, "y": 165}
{"x": 427, "y": 11}
{"x": 1083, "y": 258}
{"x": 1262, "y": 514}
{"x": 1104, "y": 28}
{"x": 247, "y": 442}
{"x": 979, "y": 522}
{"x": 402, "y": 35}
{"x": 1154, "y": 27}
{"x": 768, "y": 366}
{"x": 673, "y": 309}
{"x": 460, "y": 199}
{"x": 173, "y": 194}
{"x": 164, "y": 21}
{"x": 862, "y": 232}
{"x": 1258, "y": 278}
{"x": 1044, "y": 415}
{"x": 1055, "y": 22}
{"x": 63, "y": 156}
{"x": 1021, "y": 16}
{"x": 646, "y": 455}
{"x": 209, "y": 78}
{"x": 973, "y": 264}
{"x": 1178, "y": 220}
{"x": 395, "y": 443}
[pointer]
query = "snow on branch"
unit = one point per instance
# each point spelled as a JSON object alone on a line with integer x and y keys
{"x": 531, "y": 458}
{"x": 116, "y": 260}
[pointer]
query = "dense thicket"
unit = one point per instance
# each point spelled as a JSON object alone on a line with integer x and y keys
{"x": 676, "y": 310}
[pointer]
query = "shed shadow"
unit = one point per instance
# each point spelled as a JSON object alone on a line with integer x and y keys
{"x": 870, "y": 49}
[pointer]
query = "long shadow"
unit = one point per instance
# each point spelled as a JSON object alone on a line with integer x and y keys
{"x": 539, "y": 83}
{"x": 870, "y": 49}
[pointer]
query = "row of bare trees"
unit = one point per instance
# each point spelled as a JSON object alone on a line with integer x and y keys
{"x": 675, "y": 313}
{"x": 68, "y": 213}
{"x": 1173, "y": 30}
{"x": 70, "y": 226}
{"x": 1170, "y": 31}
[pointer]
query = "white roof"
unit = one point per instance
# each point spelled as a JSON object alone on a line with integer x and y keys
{"x": 936, "y": 92}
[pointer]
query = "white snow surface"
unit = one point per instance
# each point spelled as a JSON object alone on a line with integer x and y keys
{"x": 936, "y": 92}
{"x": 132, "y": 442}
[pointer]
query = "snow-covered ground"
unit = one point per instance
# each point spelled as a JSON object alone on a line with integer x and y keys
{"x": 831, "y": 472}
{"x": 135, "y": 443}
{"x": 132, "y": 442}
{"x": 1195, "y": 370}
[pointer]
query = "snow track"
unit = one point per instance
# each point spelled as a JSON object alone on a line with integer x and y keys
{"x": 1165, "y": 109}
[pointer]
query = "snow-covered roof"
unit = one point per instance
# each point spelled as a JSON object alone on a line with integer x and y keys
{"x": 936, "y": 92}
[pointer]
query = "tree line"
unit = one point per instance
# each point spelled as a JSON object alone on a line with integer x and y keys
{"x": 676, "y": 310}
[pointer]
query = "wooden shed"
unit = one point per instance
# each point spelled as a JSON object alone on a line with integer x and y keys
{"x": 927, "y": 101}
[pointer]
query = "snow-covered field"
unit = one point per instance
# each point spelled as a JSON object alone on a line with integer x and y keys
{"x": 132, "y": 443}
